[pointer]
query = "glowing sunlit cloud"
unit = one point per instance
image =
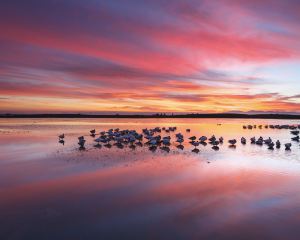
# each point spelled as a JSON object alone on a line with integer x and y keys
{"x": 208, "y": 56}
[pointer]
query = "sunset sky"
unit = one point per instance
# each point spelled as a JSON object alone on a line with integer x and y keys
{"x": 149, "y": 56}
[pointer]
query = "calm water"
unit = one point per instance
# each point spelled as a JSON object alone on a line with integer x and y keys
{"x": 54, "y": 191}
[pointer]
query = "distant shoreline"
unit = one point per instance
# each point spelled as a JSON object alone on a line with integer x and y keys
{"x": 209, "y": 115}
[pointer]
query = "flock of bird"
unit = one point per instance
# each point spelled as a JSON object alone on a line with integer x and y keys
{"x": 154, "y": 140}
{"x": 260, "y": 141}
{"x": 286, "y": 126}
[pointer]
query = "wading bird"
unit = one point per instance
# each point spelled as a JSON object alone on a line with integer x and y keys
{"x": 288, "y": 146}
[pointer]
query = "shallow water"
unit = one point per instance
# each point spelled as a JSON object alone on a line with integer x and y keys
{"x": 54, "y": 191}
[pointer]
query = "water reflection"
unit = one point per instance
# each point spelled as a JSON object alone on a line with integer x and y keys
{"x": 53, "y": 191}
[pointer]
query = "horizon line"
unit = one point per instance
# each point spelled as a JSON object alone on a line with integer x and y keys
{"x": 155, "y": 115}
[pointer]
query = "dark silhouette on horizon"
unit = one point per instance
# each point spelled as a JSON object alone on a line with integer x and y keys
{"x": 190, "y": 115}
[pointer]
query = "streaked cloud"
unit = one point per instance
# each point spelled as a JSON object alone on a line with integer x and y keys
{"x": 149, "y": 56}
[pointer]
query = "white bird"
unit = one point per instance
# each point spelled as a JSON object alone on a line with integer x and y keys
{"x": 295, "y": 132}
{"x": 81, "y": 138}
{"x": 215, "y": 147}
{"x": 203, "y": 139}
{"x": 212, "y": 139}
{"x": 259, "y": 141}
{"x": 98, "y": 140}
{"x": 139, "y": 137}
{"x": 268, "y": 141}
{"x": 193, "y": 138}
{"x": 195, "y": 144}
{"x": 271, "y": 145}
{"x": 179, "y": 135}
{"x": 93, "y": 131}
{"x": 288, "y": 146}
{"x": 166, "y": 141}
{"x": 81, "y": 143}
{"x": 295, "y": 138}
{"x": 153, "y": 142}
{"x": 278, "y": 144}
{"x": 180, "y": 140}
